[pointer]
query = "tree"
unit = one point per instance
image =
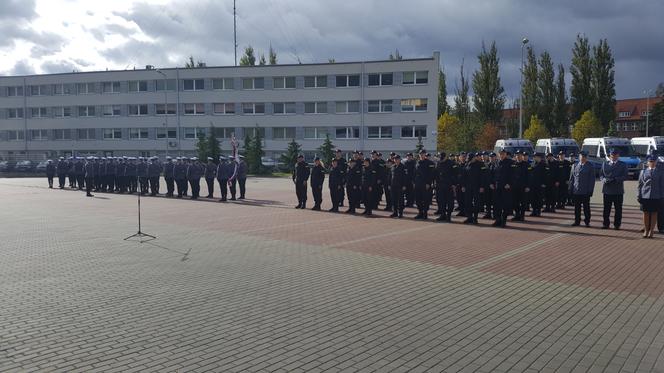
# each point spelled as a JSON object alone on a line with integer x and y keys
{"x": 659, "y": 92}
{"x": 657, "y": 119}
{"x": 190, "y": 64}
{"x": 489, "y": 97}
{"x": 331, "y": 60}
{"x": 255, "y": 153}
{"x": 587, "y": 126}
{"x": 396, "y": 55}
{"x": 419, "y": 146}
{"x": 461, "y": 101}
{"x": 529, "y": 88}
{"x": 442, "y": 93}
{"x": 448, "y": 126}
{"x": 248, "y": 144}
{"x": 294, "y": 149}
{"x": 547, "y": 92}
{"x": 560, "y": 108}
{"x": 213, "y": 145}
{"x": 487, "y": 136}
{"x": 327, "y": 150}
{"x": 201, "y": 145}
{"x": 603, "y": 84}
{"x": 262, "y": 61}
{"x": 272, "y": 56}
{"x": 248, "y": 59}
{"x": 536, "y": 130}
{"x": 581, "y": 96}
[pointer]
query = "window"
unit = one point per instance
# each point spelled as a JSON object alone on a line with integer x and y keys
{"x": 645, "y": 113}
{"x": 15, "y": 113}
{"x": 259, "y": 130}
{"x": 414, "y": 132}
{"x": 86, "y": 111}
{"x": 163, "y": 109}
{"x": 38, "y": 112}
{"x": 283, "y": 133}
{"x": 14, "y": 91}
{"x": 86, "y": 134}
{"x": 224, "y": 108}
{"x": 111, "y": 110}
{"x": 253, "y": 108}
{"x": 138, "y": 109}
{"x": 379, "y": 106}
{"x": 110, "y": 87}
{"x": 347, "y": 132}
{"x": 194, "y": 109}
{"x": 112, "y": 133}
{"x": 222, "y": 83}
{"x": 415, "y": 77}
{"x": 138, "y": 133}
{"x": 13, "y": 135}
{"x": 61, "y": 89}
{"x": 169, "y": 85}
{"x": 380, "y": 79}
{"x": 138, "y": 86}
{"x": 85, "y": 88}
{"x": 348, "y": 80}
{"x": 39, "y": 135}
{"x": 223, "y": 132}
{"x": 62, "y": 134}
{"x": 414, "y": 104}
{"x": 318, "y": 81}
{"x": 625, "y": 114}
{"x": 284, "y": 107}
{"x": 38, "y": 90}
{"x": 348, "y": 107}
{"x": 62, "y": 112}
{"x": 382, "y": 132}
{"x": 166, "y": 133}
{"x": 194, "y": 84}
{"x": 315, "y": 132}
{"x": 315, "y": 107}
{"x": 283, "y": 82}
{"x": 252, "y": 83}
{"x": 189, "y": 133}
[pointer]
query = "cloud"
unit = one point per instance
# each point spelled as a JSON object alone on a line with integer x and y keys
{"x": 17, "y": 10}
{"x": 22, "y": 67}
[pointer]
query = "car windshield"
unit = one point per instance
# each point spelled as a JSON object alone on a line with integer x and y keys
{"x": 514, "y": 149}
{"x": 624, "y": 150}
{"x": 657, "y": 153}
{"x": 568, "y": 149}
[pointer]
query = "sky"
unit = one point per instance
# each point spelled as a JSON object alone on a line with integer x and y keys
{"x": 51, "y": 36}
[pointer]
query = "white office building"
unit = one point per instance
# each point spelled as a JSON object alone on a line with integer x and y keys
{"x": 370, "y": 105}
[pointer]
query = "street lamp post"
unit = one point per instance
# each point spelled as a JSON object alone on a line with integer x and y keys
{"x": 524, "y": 41}
{"x": 648, "y": 92}
{"x": 165, "y": 107}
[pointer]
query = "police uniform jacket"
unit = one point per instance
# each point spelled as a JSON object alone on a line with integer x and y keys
{"x": 62, "y": 168}
{"x": 343, "y": 169}
{"x": 336, "y": 177}
{"x": 224, "y": 170}
{"x": 169, "y": 169}
{"x": 89, "y": 169}
{"x": 425, "y": 171}
{"x": 242, "y": 170}
{"x": 180, "y": 171}
{"x": 210, "y": 170}
{"x": 446, "y": 173}
{"x": 131, "y": 169}
{"x": 111, "y": 168}
{"x": 78, "y": 168}
{"x": 369, "y": 176}
{"x": 398, "y": 176}
{"x": 50, "y": 169}
{"x": 194, "y": 171}
{"x": 521, "y": 174}
{"x": 301, "y": 172}
{"x": 154, "y": 169}
{"x": 613, "y": 176}
{"x": 354, "y": 176}
{"x": 317, "y": 176}
{"x": 474, "y": 176}
{"x": 564, "y": 169}
{"x": 410, "y": 170}
{"x": 538, "y": 175}
{"x": 503, "y": 173}
{"x": 651, "y": 183}
{"x": 582, "y": 180}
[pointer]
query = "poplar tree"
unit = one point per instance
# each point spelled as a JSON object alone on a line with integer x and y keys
{"x": 442, "y": 93}
{"x": 461, "y": 101}
{"x": 489, "y": 96}
{"x": 547, "y": 92}
{"x": 603, "y": 84}
{"x": 560, "y": 114}
{"x": 581, "y": 95}
{"x": 530, "y": 90}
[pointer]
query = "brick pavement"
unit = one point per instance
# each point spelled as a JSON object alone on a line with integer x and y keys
{"x": 258, "y": 286}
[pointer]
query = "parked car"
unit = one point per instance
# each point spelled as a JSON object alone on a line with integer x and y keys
{"x": 514, "y": 145}
{"x": 5, "y": 166}
{"x": 557, "y": 145}
{"x": 268, "y": 162}
{"x": 41, "y": 167}
{"x": 598, "y": 151}
{"x": 645, "y": 146}
{"x": 24, "y": 166}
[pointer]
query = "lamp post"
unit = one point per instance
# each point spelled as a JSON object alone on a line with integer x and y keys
{"x": 165, "y": 107}
{"x": 524, "y": 41}
{"x": 647, "y": 92}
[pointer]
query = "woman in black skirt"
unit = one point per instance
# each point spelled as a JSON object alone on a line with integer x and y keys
{"x": 651, "y": 195}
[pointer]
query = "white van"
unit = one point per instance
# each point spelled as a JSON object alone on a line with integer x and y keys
{"x": 598, "y": 151}
{"x": 557, "y": 145}
{"x": 645, "y": 146}
{"x": 513, "y": 145}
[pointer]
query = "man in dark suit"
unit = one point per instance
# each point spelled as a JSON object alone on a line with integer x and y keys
{"x": 613, "y": 175}
{"x": 581, "y": 187}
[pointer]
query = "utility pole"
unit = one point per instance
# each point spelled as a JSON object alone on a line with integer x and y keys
{"x": 648, "y": 93}
{"x": 235, "y": 31}
{"x": 524, "y": 41}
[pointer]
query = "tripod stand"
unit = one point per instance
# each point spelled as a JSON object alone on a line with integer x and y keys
{"x": 142, "y": 237}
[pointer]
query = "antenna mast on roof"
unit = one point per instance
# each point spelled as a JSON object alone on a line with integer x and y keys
{"x": 235, "y": 31}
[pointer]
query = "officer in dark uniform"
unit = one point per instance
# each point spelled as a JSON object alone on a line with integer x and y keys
{"x": 424, "y": 177}
{"x": 409, "y": 165}
{"x": 71, "y": 175}
{"x": 79, "y": 172}
{"x": 474, "y": 179}
{"x": 169, "y": 168}
{"x": 50, "y": 173}
{"x": 552, "y": 183}
{"x": 520, "y": 186}
{"x": 354, "y": 183}
{"x": 379, "y": 170}
{"x": 343, "y": 170}
{"x": 461, "y": 194}
{"x": 503, "y": 179}
{"x": 154, "y": 173}
{"x": 387, "y": 174}
{"x": 61, "y": 170}
{"x": 398, "y": 179}
{"x": 210, "y": 174}
{"x": 317, "y": 180}
{"x": 89, "y": 174}
{"x": 572, "y": 162}
{"x": 132, "y": 175}
{"x": 369, "y": 185}
{"x": 446, "y": 176}
{"x": 120, "y": 172}
{"x": 488, "y": 196}
{"x": 180, "y": 176}
{"x": 224, "y": 172}
{"x": 142, "y": 173}
{"x": 564, "y": 170}
{"x": 194, "y": 172}
{"x": 537, "y": 184}
{"x": 300, "y": 176}
{"x": 336, "y": 184}
{"x": 112, "y": 178}
{"x": 95, "y": 181}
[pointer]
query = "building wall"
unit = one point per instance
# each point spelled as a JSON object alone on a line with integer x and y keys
{"x": 46, "y": 97}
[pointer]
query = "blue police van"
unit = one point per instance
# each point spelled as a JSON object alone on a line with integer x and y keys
{"x": 598, "y": 151}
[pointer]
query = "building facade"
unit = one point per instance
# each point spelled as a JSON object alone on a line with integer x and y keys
{"x": 373, "y": 105}
{"x": 631, "y": 116}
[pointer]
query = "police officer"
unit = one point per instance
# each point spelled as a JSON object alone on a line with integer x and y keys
{"x": 317, "y": 180}
{"x": 409, "y": 165}
{"x": 96, "y": 166}
{"x": 142, "y": 173}
{"x": 424, "y": 177}
{"x": 537, "y": 184}
{"x": 379, "y": 170}
{"x": 582, "y": 185}
{"x": 62, "y": 170}
{"x": 120, "y": 172}
{"x": 460, "y": 193}
{"x": 342, "y": 167}
{"x": 154, "y": 173}
{"x": 552, "y": 183}
{"x": 71, "y": 175}
{"x": 242, "y": 176}
{"x": 300, "y": 176}
{"x": 613, "y": 175}
{"x": 210, "y": 174}
{"x": 169, "y": 168}
{"x": 488, "y": 196}
{"x": 520, "y": 186}
{"x": 132, "y": 174}
{"x": 354, "y": 183}
{"x": 194, "y": 172}
{"x": 50, "y": 173}
{"x": 180, "y": 176}
{"x": 336, "y": 184}
{"x": 369, "y": 185}
{"x": 398, "y": 180}
{"x": 79, "y": 172}
{"x": 474, "y": 179}
{"x": 564, "y": 170}
{"x": 89, "y": 174}
{"x": 446, "y": 176}
{"x": 223, "y": 173}
{"x": 572, "y": 162}
{"x": 503, "y": 179}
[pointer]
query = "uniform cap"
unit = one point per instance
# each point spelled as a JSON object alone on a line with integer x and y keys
{"x": 298, "y": 156}
{"x": 652, "y": 158}
{"x": 240, "y": 156}
{"x": 209, "y": 158}
{"x": 442, "y": 154}
{"x": 470, "y": 155}
{"x": 572, "y": 155}
{"x": 317, "y": 159}
{"x": 374, "y": 152}
{"x": 525, "y": 154}
{"x": 194, "y": 158}
{"x": 221, "y": 157}
{"x": 380, "y": 154}
{"x": 409, "y": 154}
{"x": 538, "y": 154}
{"x": 492, "y": 154}
{"x": 367, "y": 159}
{"x": 61, "y": 158}
{"x": 583, "y": 153}
{"x": 392, "y": 154}
{"x": 49, "y": 161}
{"x": 561, "y": 153}
{"x": 423, "y": 151}
{"x": 397, "y": 156}
{"x": 338, "y": 151}
{"x": 614, "y": 151}
{"x": 549, "y": 154}
{"x": 168, "y": 157}
{"x": 462, "y": 153}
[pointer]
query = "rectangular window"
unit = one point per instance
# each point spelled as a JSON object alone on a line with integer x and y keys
{"x": 16, "y": 113}
{"x": 14, "y": 91}
{"x": 315, "y": 132}
{"x": 414, "y": 104}
{"x": 625, "y": 114}
{"x": 317, "y": 81}
{"x": 194, "y": 84}
{"x": 189, "y": 133}
{"x": 166, "y": 133}
{"x": 39, "y": 135}
{"x": 163, "y": 109}
{"x": 111, "y": 87}
{"x": 415, "y": 77}
{"x": 85, "y": 88}
{"x": 62, "y": 134}
{"x": 38, "y": 90}
{"x": 348, "y": 81}
{"x": 347, "y": 107}
{"x": 414, "y": 132}
{"x": 13, "y": 135}
{"x": 111, "y": 110}
{"x": 138, "y": 86}
{"x": 283, "y": 82}
{"x": 382, "y": 132}
{"x": 223, "y": 132}
{"x": 112, "y": 134}
{"x": 169, "y": 85}
{"x": 135, "y": 110}
{"x": 222, "y": 83}
{"x": 86, "y": 134}
{"x": 253, "y": 108}
{"x": 224, "y": 108}
{"x": 315, "y": 107}
{"x": 61, "y": 89}
{"x": 194, "y": 109}
{"x": 62, "y": 111}
{"x": 283, "y": 133}
{"x": 379, "y": 106}
{"x": 86, "y": 111}
{"x": 253, "y": 83}
{"x": 38, "y": 112}
{"x": 259, "y": 130}
{"x": 382, "y": 79}
{"x": 347, "y": 132}
{"x": 284, "y": 107}
{"x": 138, "y": 133}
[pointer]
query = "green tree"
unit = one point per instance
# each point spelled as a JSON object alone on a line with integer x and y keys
{"x": 489, "y": 97}
{"x": 256, "y": 153}
{"x": 201, "y": 145}
{"x": 396, "y": 55}
{"x": 603, "y": 84}
{"x": 290, "y": 156}
{"x": 213, "y": 145}
{"x": 487, "y": 136}
{"x": 529, "y": 88}
{"x": 272, "y": 56}
{"x": 560, "y": 109}
{"x": 657, "y": 119}
{"x": 419, "y": 146}
{"x": 448, "y": 129}
{"x": 248, "y": 144}
{"x": 190, "y": 64}
{"x": 248, "y": 58}
{"x": 536, "y": 130}
{"x": 326, "y": 150}
{"x": 262, "y": 61}
{"x": 461, "y": 100}
{"x": 442, "y": 93}
{"x": 581, "y": 96}
{"x": 587, "y": 126}
{"x": 547, "y": 92}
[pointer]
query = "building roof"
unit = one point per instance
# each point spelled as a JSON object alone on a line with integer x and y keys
{"x": 636, "y": 107}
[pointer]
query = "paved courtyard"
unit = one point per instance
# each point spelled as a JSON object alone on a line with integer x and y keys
{"x": 258, "y": 286}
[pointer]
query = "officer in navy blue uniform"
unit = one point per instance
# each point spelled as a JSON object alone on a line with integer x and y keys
{"x": 300, "y": 176}
{"x": 169, "y": 167}
{"x": 210, "y": 174}
{"x": 446, "y": 175}
{"x": 520, "y": 186}
{"x": 180, "y": 176}
{"x": 342, "y": 167}
{"x": 474, "y": 176}
{"x": 564, "y": 170}
{"x": 502, "y": 183}
{"x": 369, "y": 185}
{"x": 581, "y": 186}
{"x": 317, "y": 181}
{"x": 537, "y": 184}
{"x": 195, "y": 171}
{"x": 613, "y": 174}
{"x": 89, "y": 174}
{"x": 336, "y": 184}
{"x": 460, "y": 194}
{"x": 61, "y": 170}
{"x": 552, "y": 183}
{"x": 398, "y": 180}
{"x": 490, "y": 162}
{"x": 224, "y": 172}
{"x": 154, "y": 174}
{"x": 354, "y": 183}
{"x": 425, "y": 172}
{"x": 409, "y": 165}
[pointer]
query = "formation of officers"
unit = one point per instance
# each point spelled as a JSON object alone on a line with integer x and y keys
{"x": 495, "y": 185}
{"x": 142, "y": 175}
